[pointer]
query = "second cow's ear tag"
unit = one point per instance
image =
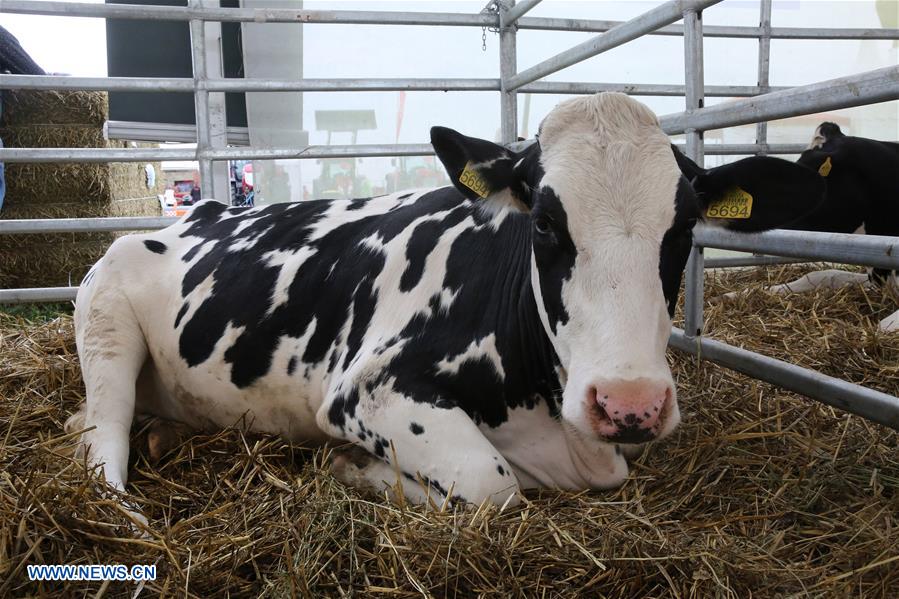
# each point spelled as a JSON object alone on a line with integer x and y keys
{"x": 825, "y": 167}
{"x": 473, "y": 180}
{"x": 735, "y": 203}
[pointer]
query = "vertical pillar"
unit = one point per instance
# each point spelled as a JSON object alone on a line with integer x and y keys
{"x": 761, "y": 129}
{"x": 695, "y": 100}
{"x": 209, "y": 107}
{"x": 508, "y": 66}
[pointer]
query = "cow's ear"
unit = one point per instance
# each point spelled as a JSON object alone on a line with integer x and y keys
{"x": 757, "y": 193}
{"x": 478, "y": 168}
{"x": 687, "y": 167}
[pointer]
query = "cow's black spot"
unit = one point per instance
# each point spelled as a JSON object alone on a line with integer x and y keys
{"x": 381, "y": 444}
{"x": 181, "y": 312}
{"x": 501, "y": 470}
{"x": 365, "y": 300}
{"x": 342, "y": 407}
{"x": 357, "y": 203}
{"x": 291, "y": 365}
{"x": 416, "y": 428}
{"x": 157, "y": 247}
{"x": 422, "y": 242}
{"x": 554, "y": 255}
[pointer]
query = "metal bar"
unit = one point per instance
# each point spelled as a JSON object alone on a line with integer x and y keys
{"x": 85, "y": 225}
{"x": 155, "y": 154}
{"x": 201, "y": 103}
{"x": 665, "y": 14}
{"x": 761, "y": 129}
{"x": 637, "y": 89}
{"x": 508, "y": 66}
{"x": 255, "y": 15}
{"x": 694, "y": 287}
{"x": 694, "y": 79}
{"x": 740, "y": 149}
{"x": 250, "y": 153}
{"x": 43, "y": 155}
{"x": 271, "y": 15}
{"x": 841, "y": 248}
{"x": 806, "y": 33}
{"x": 37, "y": 295}
{"x": 694, "y": 98}
{"x": 515, "y": 12}
{"x": 879, "y": 85}
{"x": 147, "y": 84}
{"x": 855, "y": 399}
{"x": 726, "y": 31}
{"x": 159, "y": 84}
{"x": 738, "y": 261}
{"x": 54, "y": 82}
{"x": 353, "y": 85}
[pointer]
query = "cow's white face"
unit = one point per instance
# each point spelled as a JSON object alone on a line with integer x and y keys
{"x": 600, "y": 213}
{"x": 611, "y": 210}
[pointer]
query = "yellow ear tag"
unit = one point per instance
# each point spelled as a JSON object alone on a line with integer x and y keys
{"x": 472, "y": 179}
{"x": 735, "y": 203}
{"x": 825, "y": 167}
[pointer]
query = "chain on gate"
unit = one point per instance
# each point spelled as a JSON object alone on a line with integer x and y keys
{"x": 491, "y": 9}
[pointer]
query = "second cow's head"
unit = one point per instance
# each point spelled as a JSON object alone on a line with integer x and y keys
{"x": 611, "y": 210}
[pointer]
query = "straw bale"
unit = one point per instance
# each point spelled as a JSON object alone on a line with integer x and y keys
{"x": 50, "y": 260}
{"x": 36, "y": 183}
{"x": 760, "y": 493}
{"x": 47, "y": 135}
{"x": 128, "y": 180}
{"x": 27, "y": 107}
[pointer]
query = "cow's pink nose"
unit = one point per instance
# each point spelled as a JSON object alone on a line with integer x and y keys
{"x": 628, "y": 411}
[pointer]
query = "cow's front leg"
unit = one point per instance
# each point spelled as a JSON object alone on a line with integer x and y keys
{"x": 433, "y": 452}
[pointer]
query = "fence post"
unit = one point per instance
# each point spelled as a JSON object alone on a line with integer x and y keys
{"x": 209, "y": 111}
{"x": 761, "y": 129}
{"x": 694, "y": 87}
{"x": 508, "y": 67}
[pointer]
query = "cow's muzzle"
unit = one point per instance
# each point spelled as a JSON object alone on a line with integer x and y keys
{"x": 628, "y": 411}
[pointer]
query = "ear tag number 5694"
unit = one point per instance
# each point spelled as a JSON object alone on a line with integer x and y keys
{"x": 472, "y": 179}
{"x": 735, "y": 203}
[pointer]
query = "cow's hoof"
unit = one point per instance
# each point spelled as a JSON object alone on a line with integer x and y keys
{"x": 163, "y": 436}
{"x": 348, "y": 465}
{"x": 724, "y": 298}
{"x": 139, "y": 524}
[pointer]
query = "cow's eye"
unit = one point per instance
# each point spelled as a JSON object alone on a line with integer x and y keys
{"x": 542, "y": 225}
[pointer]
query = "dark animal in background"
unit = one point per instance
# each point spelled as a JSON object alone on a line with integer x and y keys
{"x": 862, "y": 195}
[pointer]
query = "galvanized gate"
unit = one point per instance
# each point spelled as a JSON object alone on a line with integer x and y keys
{"x": 761, "y": 103}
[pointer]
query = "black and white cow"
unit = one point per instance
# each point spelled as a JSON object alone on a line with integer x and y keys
{"x": 862, "y": 195}
{"x": 507, "y": 332}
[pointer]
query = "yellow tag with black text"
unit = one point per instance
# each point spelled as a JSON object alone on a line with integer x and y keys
{"x": 472, "y": 179}
{"x": 736, "y": 203}
{"x": 825, "y": 167}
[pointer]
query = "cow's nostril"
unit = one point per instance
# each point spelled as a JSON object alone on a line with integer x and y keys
{"x": 600, "y": 415}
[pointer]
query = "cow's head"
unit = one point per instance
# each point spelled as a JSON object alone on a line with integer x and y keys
{"x": 612, "y": 209}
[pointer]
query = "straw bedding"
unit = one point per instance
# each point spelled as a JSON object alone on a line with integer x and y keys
{"x": 760, "y": 493}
